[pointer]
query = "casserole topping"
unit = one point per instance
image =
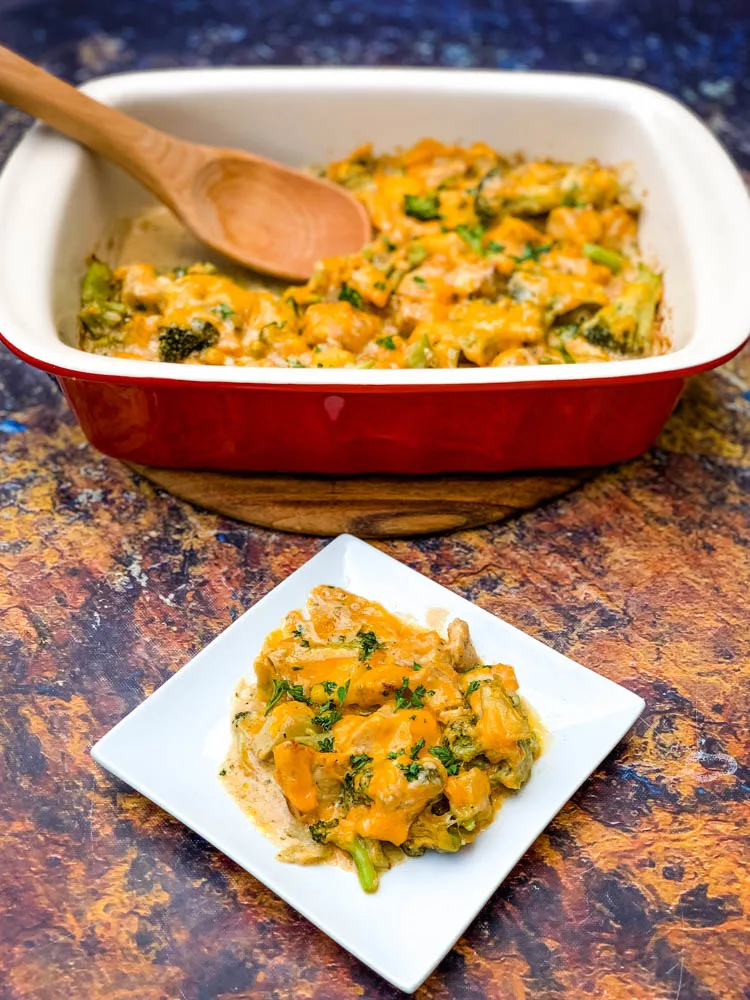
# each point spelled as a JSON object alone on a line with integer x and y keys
{"x": 478, "y": 259}
{"x": 381, "y": 738}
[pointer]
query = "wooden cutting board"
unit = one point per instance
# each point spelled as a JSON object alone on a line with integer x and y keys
{"x": 368, "y": 506}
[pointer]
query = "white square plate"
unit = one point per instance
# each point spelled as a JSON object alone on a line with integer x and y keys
{"x": 171, "y": 747}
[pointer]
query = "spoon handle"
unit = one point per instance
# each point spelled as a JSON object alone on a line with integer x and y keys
{"x": 144, "y": 152}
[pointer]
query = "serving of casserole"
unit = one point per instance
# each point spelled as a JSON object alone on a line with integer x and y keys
{"x": 58, "y": 203}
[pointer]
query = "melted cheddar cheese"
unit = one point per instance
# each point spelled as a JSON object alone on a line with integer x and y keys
{"x": 383, "y": 737}
{"x": 478, "y": 259}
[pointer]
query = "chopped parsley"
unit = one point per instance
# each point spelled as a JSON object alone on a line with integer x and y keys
{"x": 494, "y": 247}
{"x": 473, "y": 235}
{"x": 343, "y": 691}
{"x": 368, "y": 643}
{"x": 298, "y": 633}
{"x": 325, "y": 745}
{"x": 358, "y": 761}
{"x": 239, "y": 717}
{"x": 532, "y": 252}
{"x": 473, "y": 686}
{"x": 223, "y": 311}
{"x": 393, "y": 754}
{"x": 445, "y": 756}
{"x": 328, "y": 686}
{"x": 352, "y": 296}
{"x": 406, "y": 698}
{"x": 416, "y": 666}
{"x": 415, "y": 749}
{"x": 295, "y": 691}
{"x": 386, "y": 342}
{"x": 424, "y": 207}
{"x": 380, "y": 285}
{"x": 411, "y": 771}
{"x": 327, "y": 716}
{"x": 419, "y": 279}
{"x": 222, "y": 772}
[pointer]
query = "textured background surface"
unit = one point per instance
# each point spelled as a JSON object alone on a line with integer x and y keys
{"x": 636, "y": 891}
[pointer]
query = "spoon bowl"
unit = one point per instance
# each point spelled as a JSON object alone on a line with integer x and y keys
{"x": 258, "y": 212}
{"x": 275, "y": 219}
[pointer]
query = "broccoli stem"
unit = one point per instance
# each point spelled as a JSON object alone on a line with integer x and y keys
{"x": 98, "y": 284}
{"x": 416, "y": 353}
{"x": 600, "y": 255}
{"x": 368, "y": 876}
{"x": 101, "y": 312}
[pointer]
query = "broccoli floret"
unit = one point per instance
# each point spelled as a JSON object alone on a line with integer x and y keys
{"x": 423, "y": 207}
{"x": 354, "y": 790}
{"x": 626, "y": 324}
{"x": 352, "y": 296}
{"x": 319, "y": 831}
{"x": 461, "y": 738}
{"x": 178, "y": 342}
{"x": 430, "y": 832}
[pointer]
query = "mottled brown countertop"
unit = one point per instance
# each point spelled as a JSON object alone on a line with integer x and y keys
{"x": 107, "y": 586}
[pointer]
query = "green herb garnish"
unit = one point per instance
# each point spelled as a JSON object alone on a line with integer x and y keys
{"x": 532, "y": 252}
{"x": 446, "y": 758}
{"x": 358, "y": 761}
{"x": 295, "y": 691}
{"x": 343, "y": 691}
{"x": 406, "y": 698}
{"x": 368, "y": 643}
{"x": 328, "y": 715}
{"x": 386, "y": 342}
{"x": 473, "y": 235}
{"x": 411, "y": 771}
{"x": 352, "y": 296}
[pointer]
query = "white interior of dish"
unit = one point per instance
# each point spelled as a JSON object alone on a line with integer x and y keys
{"x": 57, "y": 202}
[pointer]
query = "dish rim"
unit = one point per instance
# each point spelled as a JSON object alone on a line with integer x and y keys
{"x": 706, "y": 348}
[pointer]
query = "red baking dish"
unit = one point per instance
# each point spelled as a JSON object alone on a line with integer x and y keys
{"x": 57, "y": 202}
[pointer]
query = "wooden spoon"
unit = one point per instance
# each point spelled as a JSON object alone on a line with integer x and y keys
{"x": 264, "y": 215}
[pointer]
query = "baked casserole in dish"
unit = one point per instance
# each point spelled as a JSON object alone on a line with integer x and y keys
{"x": 455, "y": 413}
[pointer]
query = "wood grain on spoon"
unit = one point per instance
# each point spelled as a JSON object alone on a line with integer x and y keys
{"x": 258, "y": 212}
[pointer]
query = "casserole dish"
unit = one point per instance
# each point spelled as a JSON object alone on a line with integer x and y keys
{"x": 57, "y": 202}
